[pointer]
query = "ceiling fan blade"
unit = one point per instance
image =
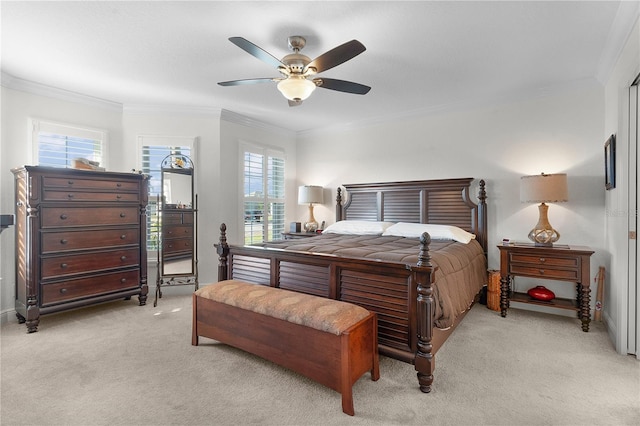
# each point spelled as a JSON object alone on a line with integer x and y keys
{"x": 246, "y": 81}
{"x": 336, "y": 56}
{"x": 342, "y": 86}
{"x": 256, "y": 51}
{"x": 295, "y": 103}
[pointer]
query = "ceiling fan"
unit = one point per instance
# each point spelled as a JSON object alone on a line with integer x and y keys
{"x": 298, "y": 71}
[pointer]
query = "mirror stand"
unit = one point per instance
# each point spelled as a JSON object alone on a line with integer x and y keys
{"x": 177, "y": 226}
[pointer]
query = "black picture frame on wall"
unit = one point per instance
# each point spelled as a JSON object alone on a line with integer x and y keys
{"x": 610, "y": 163}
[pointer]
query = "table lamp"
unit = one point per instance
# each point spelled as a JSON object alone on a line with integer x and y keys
{"x": 310, "y": 194}
{"x": 543, "y": 189}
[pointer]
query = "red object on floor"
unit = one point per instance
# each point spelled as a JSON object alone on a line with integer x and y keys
{"x": 541, "y": 293}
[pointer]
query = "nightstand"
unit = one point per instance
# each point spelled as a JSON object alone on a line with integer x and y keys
{"x": 560, "y": 262}
{"x": 297, "y": 235}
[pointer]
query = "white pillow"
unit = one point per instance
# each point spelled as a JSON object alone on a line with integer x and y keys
{"x": 357, "y": 227}
{"x": 437, "y": 232}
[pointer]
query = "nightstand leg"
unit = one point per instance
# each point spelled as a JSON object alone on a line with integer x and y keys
{"x": 504, "y": 295}
{"x": 585, "y": 309}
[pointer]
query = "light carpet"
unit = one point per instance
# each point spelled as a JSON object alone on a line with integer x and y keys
{"x": 122, "y": 364}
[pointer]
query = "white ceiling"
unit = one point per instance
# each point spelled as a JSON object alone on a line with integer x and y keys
{"x": 421, "y": 57}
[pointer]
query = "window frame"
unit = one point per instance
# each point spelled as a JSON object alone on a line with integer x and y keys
{"x": 143, "y": 140}
{"x": 267, "y": 152}
{"x": 37, "y": 125}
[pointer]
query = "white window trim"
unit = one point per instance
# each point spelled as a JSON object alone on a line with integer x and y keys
{"x": 162, "y": 140}
{"x": 267, "y": 150}
{"x": 37, "y": 125}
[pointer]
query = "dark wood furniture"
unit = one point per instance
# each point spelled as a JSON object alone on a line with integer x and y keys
{"x": 80, "y": 239}
{"x": 336, "y": 357}
{"x": 400, "y": 294}
{"x": 295, "y": 235}
{"x": 562, "y": 263}
{"x": 177, "y": 225}
{"x": 177, "y": 234}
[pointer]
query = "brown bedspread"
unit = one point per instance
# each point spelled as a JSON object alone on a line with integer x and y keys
{"x": 460, "y": 275}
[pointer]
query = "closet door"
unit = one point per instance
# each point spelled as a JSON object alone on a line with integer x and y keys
{"x": 633, "y": 317}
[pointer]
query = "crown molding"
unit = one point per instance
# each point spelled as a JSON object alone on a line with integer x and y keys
{"x": 16, "y": 83}
{"x": 626, "y": 17}
{"x": 234, "y": 117}
{"x": 156, "y": 109}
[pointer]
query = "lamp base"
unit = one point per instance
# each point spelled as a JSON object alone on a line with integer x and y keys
{"x": 311, "y": 226}
{"x": 543, "y": 235}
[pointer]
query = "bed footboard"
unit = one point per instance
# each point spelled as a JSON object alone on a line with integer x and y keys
{"x": 401, "y": 295}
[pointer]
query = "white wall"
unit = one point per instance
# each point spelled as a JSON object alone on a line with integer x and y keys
{"x": 206, "y": 127}
{"x": 617, "y": 208}
{"x": 561, "y": 133}
{"x": 232, "y": 134}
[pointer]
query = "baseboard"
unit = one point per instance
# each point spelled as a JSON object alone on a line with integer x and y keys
{"x": 8, "y": 316}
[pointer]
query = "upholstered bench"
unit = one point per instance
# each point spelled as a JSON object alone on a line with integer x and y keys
{"x": 331, "y": 342}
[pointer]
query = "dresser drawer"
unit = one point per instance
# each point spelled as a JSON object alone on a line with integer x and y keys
{"x": 82, "y": 183}
{"x": 89, "y": 216}
{"x": 568, "y": 262}
{"x": 60, "y": 266}
{"x": 177, "y": 231}
{"x": 55, "y": 242}
{"x": 542, "y": 272}
{"x": 177, "y": 245}
{"x": 89, "y": 196}
{"x": 90, "y": 286}
{"x": 177, "y": 218}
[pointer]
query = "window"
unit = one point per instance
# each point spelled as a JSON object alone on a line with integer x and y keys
{"x": 57, "y": 144}
{"x": 153, "y": 150}
{"x": 263, "y": 189}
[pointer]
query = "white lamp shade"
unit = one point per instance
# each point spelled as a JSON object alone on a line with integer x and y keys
{"x": 310, "y": 194}
{"x": 296, "y": 88}
{"x": 544, "y": 188}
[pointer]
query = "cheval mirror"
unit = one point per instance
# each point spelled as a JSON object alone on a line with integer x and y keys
{"x": 177, "y": 227}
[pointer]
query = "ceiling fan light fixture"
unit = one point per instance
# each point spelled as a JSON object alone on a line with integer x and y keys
{"x": 296, "y": 88}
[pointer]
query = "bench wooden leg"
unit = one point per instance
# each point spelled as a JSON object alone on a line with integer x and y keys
{"x": 194, "y": 322}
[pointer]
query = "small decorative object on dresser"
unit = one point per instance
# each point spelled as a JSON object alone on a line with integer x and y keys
{"x": 81, "y": 238}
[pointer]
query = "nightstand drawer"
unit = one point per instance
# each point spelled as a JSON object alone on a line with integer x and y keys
{"x": 567, "y": 262}
{"x": 542, "y": 272}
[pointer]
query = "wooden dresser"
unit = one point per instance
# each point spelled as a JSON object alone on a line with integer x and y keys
{"x": 80, "y": 239}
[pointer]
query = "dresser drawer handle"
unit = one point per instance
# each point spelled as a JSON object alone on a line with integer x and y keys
{"x": 170, "y": 246}
{"x": 541, "y": 271}
{"x": 123, "y": 258}
{"x": 170, "y": 232}
{"x": 542, "y": 260}
{"x": 63, "y": 265}
{"x": 122, "y": 215}
{"x": 118, "y": 196}
{"x": 63, "y": 290}
{"x": 70, "y": 182}
{"x": 63, "y": 241}
{"x": 123, "y": 236}
{"x": 123, "y": 280}
{"x": 186, "y": 244}
{"x": 63, "y": 216}
{"x": 118, "y": 184}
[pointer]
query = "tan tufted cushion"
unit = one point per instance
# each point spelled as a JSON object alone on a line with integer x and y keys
{"x": 323, "y": 314}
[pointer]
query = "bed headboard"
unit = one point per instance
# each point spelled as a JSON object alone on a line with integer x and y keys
{"x": 441, "y": 201}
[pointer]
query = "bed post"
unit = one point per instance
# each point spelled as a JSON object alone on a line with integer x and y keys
{"x": 482, "y": 217}
{"x": 339, "y": 205}
{"x": 223, "y": 250}
{"x": 424, "y": 362}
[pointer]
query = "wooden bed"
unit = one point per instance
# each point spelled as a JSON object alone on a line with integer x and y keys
{"x": 400, "y": 293}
